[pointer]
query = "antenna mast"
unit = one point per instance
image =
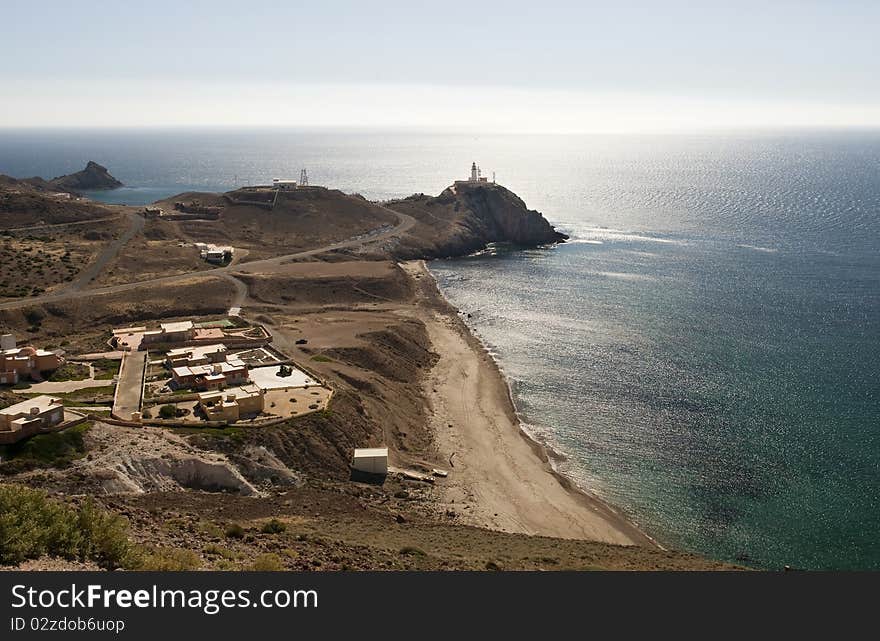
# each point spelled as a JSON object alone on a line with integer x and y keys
{"x": 303, "y": 178}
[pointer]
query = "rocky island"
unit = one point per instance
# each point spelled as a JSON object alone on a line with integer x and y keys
{"x": 93, "y": 178}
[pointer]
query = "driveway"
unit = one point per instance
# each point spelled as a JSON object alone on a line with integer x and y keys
{"x": 130, "y": 386}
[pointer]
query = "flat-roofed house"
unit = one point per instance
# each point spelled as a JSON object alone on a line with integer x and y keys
{"x": 283, "y": 184}
{"x": 213, "y": 376}
{"x": 29, "y": 417}
{"x": 17, "y": 363}
{"x": 233, "y": 404}
{"x": 200, "y": 355}
{"x": 178, "y": 332}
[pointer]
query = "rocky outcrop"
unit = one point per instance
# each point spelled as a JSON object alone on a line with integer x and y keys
{"x": 93, "y": 177}
{"x": 499, "y": 215}
{"x": 125, "y": 460}
{"x": 466, "y": 218}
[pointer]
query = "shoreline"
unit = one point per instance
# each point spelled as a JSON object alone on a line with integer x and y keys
{"x": 504, "y": 477}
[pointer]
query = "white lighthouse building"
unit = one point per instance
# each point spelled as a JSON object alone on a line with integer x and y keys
{"x": 476, "y": 175}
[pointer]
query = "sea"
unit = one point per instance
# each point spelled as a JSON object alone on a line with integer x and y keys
{"x": 704, "y": 353}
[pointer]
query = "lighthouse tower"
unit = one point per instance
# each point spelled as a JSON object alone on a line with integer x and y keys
{"x": 475, "y": 173}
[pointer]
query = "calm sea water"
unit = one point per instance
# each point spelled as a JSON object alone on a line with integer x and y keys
{"x": 705, "y": 352}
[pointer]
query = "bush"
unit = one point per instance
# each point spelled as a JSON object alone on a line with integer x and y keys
{"x": 411, "y": 550}
{"x": 34, "y": 316}
{"x": 105, "y": 368}
{"x": 235, "y": 531}
{"x": 170, "y": 560}
{"x": 56, "y": 449}
{"x": 273, "y": 527}
{"x": 267, "y": 563}
{"x": 69, "y": 372}
{"x": 168, "y": 411}
{"x": 33, "y": 525}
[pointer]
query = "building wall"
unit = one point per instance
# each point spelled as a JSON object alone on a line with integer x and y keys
{"x": 220, "y": 411}
{"x": 250, "y": 404}
{"x": 47, "y": 362}
{"x": 183, "y": 381}
{"x": 33, "y": 422}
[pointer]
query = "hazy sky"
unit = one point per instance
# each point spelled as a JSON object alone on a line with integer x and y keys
{"x": 511, "y": 66}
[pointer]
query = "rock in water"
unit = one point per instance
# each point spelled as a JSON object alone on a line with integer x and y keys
{"x": 94, "y": 176}
{"x": 466, "y": 218}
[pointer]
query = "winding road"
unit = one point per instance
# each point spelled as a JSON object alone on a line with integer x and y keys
{"x": 77, "y": 288}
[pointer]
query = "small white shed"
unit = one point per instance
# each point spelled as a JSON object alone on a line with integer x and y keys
{"x": 372, "y": 460}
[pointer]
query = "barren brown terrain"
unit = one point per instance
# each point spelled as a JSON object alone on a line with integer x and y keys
{"x": 321, "y": 274}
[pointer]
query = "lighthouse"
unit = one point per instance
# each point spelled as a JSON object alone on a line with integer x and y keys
{"x": 475, "y": 177}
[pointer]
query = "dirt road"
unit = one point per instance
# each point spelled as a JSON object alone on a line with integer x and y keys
{"x": 265, "y": 265}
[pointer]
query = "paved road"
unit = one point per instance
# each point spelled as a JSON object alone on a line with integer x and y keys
{"x": 406, "y": 223}
{"x": 130, "y": 386}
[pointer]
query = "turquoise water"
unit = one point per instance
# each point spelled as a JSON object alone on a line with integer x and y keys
{"x": 704, "y": 353}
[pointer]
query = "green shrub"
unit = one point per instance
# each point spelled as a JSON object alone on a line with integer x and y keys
{"x": 168, "y": 411}
{"x": 105, "y": 368}
{"x": 70, "y": 372}
{"x": 56, "y": 449}
{"x": 235, "y": 531}
{"x": 33, "y": 525}
{"x": 273, "y": 527}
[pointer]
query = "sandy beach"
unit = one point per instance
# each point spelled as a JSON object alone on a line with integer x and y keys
{"x": 499, "y": 478}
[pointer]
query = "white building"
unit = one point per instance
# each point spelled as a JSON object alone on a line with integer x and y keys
{"x": 371, "y": 460}
{"x": 216, "y": 254}
{"x": 476, "y": 176}
{"x": 283, "y": 184}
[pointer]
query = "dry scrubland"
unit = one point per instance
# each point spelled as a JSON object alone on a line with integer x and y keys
{"x": 41, "y": 262}
{"x": 155, "y": 253}
{"x": 301, "y": 220}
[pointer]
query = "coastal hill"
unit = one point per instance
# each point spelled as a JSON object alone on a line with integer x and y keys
{"x": 463, "y": 219}
{"x": 93, "y": 177}
{"x": 31, "y": 201}
{"x": 466, "y": 217}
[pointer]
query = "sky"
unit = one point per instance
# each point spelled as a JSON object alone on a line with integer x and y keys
{"x": 547, "y": 66}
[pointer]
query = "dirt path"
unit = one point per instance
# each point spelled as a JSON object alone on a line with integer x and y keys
{"x": 107, "y": 254}
{"x": 74, "y": 223}
{"x": 265, "y": 265}
{"x": 63, "y": 387}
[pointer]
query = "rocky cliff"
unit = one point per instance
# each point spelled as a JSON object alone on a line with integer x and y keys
{"x": 468, "y": 216}
{"x": 94, "y": 176}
